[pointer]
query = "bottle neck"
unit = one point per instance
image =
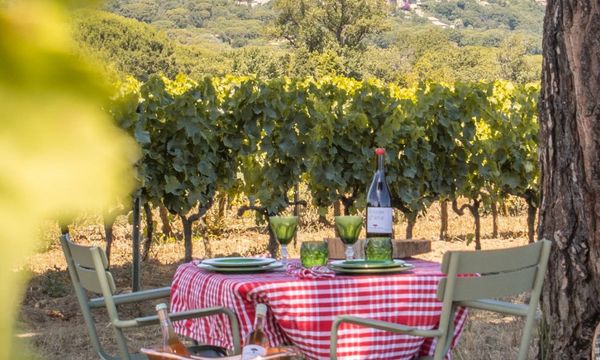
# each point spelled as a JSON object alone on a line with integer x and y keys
{"x": 380, "y": 163}
{"x": 259, "y": 322}
{"x": 166, "y": 326}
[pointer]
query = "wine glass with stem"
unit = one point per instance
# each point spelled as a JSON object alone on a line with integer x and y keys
{"x": 348, "y": 228}
{"x": 284, "y": 228}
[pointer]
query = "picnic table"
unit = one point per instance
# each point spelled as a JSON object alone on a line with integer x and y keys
{"x": 301, "y": 311}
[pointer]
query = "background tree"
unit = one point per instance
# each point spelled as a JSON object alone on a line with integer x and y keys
{"x": 315, "y": 24}
{"x": 570, "y": 176}
{"x": 128, "y": 46}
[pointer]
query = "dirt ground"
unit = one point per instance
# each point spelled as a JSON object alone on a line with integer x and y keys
{"x": 50, "y": 319}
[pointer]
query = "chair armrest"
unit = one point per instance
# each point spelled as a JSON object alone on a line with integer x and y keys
{"x": 384, "y": 325}
{"x": 191, "y": 314}
{"x": 133, "y": 297}
{"x": 496, "y": 306}
{"x": 377, "y": 324}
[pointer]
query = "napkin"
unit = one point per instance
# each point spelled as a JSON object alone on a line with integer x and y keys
{"x": 316, "y": 272}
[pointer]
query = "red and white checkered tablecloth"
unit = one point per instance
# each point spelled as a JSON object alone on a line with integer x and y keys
{"x": 301, "y": 311}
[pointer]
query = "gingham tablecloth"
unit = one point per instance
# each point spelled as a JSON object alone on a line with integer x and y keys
{"x": 302, "y": 311}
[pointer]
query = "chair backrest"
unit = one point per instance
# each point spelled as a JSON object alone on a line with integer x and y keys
{"x": 88, "y": 269}
{"x": 475, "y": 275}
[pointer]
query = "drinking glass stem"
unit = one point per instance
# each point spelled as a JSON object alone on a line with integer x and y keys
{"x": 349, "y": 252}
{"x": 284, "y": 254}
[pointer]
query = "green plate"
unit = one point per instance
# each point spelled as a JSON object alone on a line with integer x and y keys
{"x": 368, "y": 264}
{"x": 393, "y": 270}
{"x": 237, "y": 262}
{"x": 246, "y": 269}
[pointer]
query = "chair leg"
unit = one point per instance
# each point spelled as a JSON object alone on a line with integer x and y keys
{"x": 333, "y": 340}
{"x": 440, "y": 348}
{"x": 122, "y": 345}
{"x": 526, "y": 337}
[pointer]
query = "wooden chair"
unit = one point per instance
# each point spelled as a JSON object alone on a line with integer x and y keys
{"x": 88, "y": 268}
{"x": 500, "y": 273}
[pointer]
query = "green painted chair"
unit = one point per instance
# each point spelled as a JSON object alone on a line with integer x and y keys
{"x": 502, "y": 273}
{"x": 88, "y": 269}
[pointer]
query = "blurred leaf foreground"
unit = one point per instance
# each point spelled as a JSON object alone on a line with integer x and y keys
{"x": 59, "y": 152}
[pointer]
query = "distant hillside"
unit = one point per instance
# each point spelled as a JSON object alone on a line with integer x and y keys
{"x": 520, "y": 15}
{"x": 466, "y": 40}
{"x": 239, "y": 23}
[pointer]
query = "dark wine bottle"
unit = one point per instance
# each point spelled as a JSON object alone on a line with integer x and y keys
{"x": 379, "y": 202}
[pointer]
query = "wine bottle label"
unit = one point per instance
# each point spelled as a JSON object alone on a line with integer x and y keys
{"x": 379, "y": 220}
{"x": 252, "y": 351}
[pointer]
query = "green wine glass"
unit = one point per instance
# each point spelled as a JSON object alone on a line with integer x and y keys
{"x": 284, "y": 229}
{"x": 348, "y": 228}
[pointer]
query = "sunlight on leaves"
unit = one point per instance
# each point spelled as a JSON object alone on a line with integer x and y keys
{"x": 59, "y": 152}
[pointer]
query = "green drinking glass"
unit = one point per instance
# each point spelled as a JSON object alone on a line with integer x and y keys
{"x": 348, "y": 228}
{"x": 379, "y": 248}
{"x": 284, "y": 228}
{"x": 314, "y": 253}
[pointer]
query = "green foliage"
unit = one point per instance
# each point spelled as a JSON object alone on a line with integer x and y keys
{"x": 233, "y": 39}
{"x": 261, "y": 137}
{"x": 60, "y": 155}
{"x": 513, "y": 63}
{"x": 318, "y": 24}
{"x": 263, "y": 62}
{"x": 513, "y": 15}
{"x": 55, "y": 283}
{"x": 129, "y": 46}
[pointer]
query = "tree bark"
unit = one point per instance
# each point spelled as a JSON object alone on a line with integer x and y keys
{"x": 444, "y": 220}
{"x": 411, "y": 221}
{"x": 187, "y": 237}
{"x": 222, "y": 207}
{"x": 296, "y": 209}
{"x": 337, "y": 208}
{"x": 474, "y": 208}
{"x": 149, "y": 231}
{"x": 531, "y": 212}
{"x": 494, "y": 220}
{"x": 164, "y": 218}
{"x": 273, "y": 245}
{"x": 108, "y": 233}
{"x": 570, "y": 175}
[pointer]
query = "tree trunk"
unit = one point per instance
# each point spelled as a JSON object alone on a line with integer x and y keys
{"x": 494, "y": 220}
{"x": 149, "y": 231}
{"x": 166, "y": 224}
{"x": 337, "y": 208}
{"x": 504, "y": 208}
{"x": 136, "y": 277}
{"x": 108, "y": 232}
{"x": 411, "y": 219}
{"x": 474, "y": 208}
{"x": 273, "y": 245}
{"x": 444, "y": 218}
{"x": 531, "y": 212}
{"x": 187, "y": 238}
{"x": 570, "y": 175}
{"x": 296, "y": 209}
{"x": 221, "y": 210}
{"x": 206, "y": 242}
